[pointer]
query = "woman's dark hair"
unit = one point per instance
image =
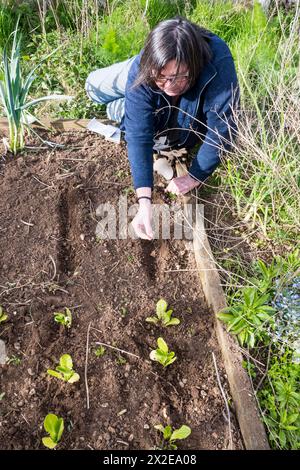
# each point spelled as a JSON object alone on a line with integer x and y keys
{"x": 174, "y": 39}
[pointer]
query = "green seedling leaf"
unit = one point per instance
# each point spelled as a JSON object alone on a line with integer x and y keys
{"x": 3, "y": 315}
{"x": 181, "y": 433}
{"x": 162, "y": 345}
{"x": 66, "y": 361}
{"x": 47, "y": 441}
{"x": 170, "y": 360}
{"x": 173, "y": 321}
{"x": 53, "y": 426}
{"x": 157, "y": 356}
{"x": 167, "y": 432}
{"x": 55, "y": 374}
{"x": 161, "y": 308}
{"x": 153, "y": 320}
{"x": 74, "y": 378}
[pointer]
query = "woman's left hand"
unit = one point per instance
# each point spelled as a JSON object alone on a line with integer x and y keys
{"x": 182, "y": 185}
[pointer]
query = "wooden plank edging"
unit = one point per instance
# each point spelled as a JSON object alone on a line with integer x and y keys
{"x": 55, "y": 124}
{"x": 251, "y": 426}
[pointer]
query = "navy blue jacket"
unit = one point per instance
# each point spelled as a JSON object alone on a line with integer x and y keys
{"x": 210, "y": 101}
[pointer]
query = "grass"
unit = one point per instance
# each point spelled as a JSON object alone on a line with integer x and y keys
{"x": 262, "y": 175}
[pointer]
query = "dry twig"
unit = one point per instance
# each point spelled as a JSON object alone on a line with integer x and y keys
{"x": 85, "y": 368}
{"x": 225, "y": 401}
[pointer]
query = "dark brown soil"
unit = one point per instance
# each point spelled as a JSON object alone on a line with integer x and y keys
{"x": 52, "y": 259}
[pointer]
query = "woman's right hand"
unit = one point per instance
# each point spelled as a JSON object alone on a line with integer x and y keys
{"x": 142, "y": 222}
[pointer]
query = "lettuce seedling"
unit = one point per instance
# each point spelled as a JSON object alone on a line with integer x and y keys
{"x": 3, "y": 315}
{"x": 65, "y": 370}
{"x": 53, "y": 426}
{"x": 170, "y": 436}
{"x": 163, "y": 315}
{"x": 64, "y": 318}
{"x": 162, "y": 354}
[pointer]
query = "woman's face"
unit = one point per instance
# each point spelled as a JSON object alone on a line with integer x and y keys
{"x": 172, "y": 81}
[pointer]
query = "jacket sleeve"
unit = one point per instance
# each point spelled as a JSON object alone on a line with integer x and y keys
{"x": 221, "y": 97}
{"x": 139, "y": 117}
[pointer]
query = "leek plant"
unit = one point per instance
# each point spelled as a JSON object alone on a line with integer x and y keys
{"x": 14, "y": 92}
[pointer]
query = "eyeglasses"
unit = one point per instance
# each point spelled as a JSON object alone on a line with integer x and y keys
{"x": 175, "y": 79}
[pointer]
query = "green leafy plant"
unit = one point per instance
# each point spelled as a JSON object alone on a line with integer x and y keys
{"x": 163, "y": 315}
{"x": 3, "y": 315}
{"x": 266, "y": 275}
{"x": 64, "y": 318}
{"x": 14, "y": 92}
{"x": 99, "y": 352}
{"x": 279, "y": 400}
{"x": 170, "y": 436}
{"x": 162, "y": 354}
{"x": 280, "y": 269}
{"x": 54, "y": 426}
{"x": 65, "y": 370}
{"x": 248, "y": 318}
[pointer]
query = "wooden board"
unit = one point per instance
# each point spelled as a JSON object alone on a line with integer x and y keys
{"x": 251, "y": 427}
{"x": 59, "y": 125}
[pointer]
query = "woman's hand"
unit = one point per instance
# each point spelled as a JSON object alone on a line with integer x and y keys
{"x": 142, "y": 222}
{"x": 182, "y": 185}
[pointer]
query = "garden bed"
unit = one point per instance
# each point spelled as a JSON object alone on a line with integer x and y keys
{"x": 52, "y": 259}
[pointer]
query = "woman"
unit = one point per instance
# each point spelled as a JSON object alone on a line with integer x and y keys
{"x": 180, "y": 90}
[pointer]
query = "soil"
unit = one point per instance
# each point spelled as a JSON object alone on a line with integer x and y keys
{"x": 51, "y": 258}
